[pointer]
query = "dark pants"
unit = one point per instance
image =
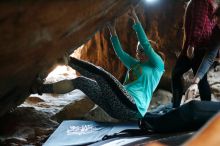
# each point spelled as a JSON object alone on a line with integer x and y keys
{"x": 103, "y": 89}
{"x": 183, "y": 64}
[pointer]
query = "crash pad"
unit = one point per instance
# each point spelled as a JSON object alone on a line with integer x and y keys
{"x": 79, "y": 132}
{"x": 188, "y": 117}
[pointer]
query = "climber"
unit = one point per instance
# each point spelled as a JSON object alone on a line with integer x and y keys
{"x": 144, "y": 71}
{"x": 128, "y": 102}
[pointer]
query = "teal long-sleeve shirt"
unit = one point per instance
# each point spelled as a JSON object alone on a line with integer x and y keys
{"x": 148, "y": 74}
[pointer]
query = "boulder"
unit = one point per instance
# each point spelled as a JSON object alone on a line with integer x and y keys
{"x": 36, "y": 34}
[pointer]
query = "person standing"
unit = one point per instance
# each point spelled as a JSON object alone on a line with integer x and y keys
{"x": 199, "y": 23}
{"x": 209, "y": 58}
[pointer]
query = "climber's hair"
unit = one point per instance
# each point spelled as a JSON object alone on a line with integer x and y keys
{"x": 155, "y": 47}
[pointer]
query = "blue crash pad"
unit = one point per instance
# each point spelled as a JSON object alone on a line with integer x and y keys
{"x": 78, "y": 132}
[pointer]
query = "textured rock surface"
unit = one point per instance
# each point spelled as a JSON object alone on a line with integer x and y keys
{"x": 75, "y": 110}
{"x": 25, "y": 126}
{"x": 163, "y": 23}
{"x": 35, "y": 34}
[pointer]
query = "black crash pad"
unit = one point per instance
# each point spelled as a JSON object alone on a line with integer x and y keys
{"x": 188, "y": 117}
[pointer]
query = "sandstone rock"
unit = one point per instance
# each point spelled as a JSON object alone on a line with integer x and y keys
{"x": 13, "y": 141}
{"x": 98, "y": 114}
{"x": 34, "y": 100}
{"x": 24, "y": 125}
{"x": 160, "y": 97}
{"x": 38, "y": 33}
{"x": 163, "y": 23}
{"x": 74, "y": 110}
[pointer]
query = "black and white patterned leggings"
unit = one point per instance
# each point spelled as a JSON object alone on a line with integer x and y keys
{"x": 104, "y": 90}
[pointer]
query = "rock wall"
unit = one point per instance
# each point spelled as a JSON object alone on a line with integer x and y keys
{"x": 35, "y": 34}
{"x": 163, "y": 23}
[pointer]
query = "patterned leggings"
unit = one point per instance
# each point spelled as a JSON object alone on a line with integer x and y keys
{"x": 104, "y": 90}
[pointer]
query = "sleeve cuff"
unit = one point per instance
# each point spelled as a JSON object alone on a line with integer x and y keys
{"x": 114, "y": 38}
{"x": 200, "y": 75}
{"x": 136, "y": 26}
